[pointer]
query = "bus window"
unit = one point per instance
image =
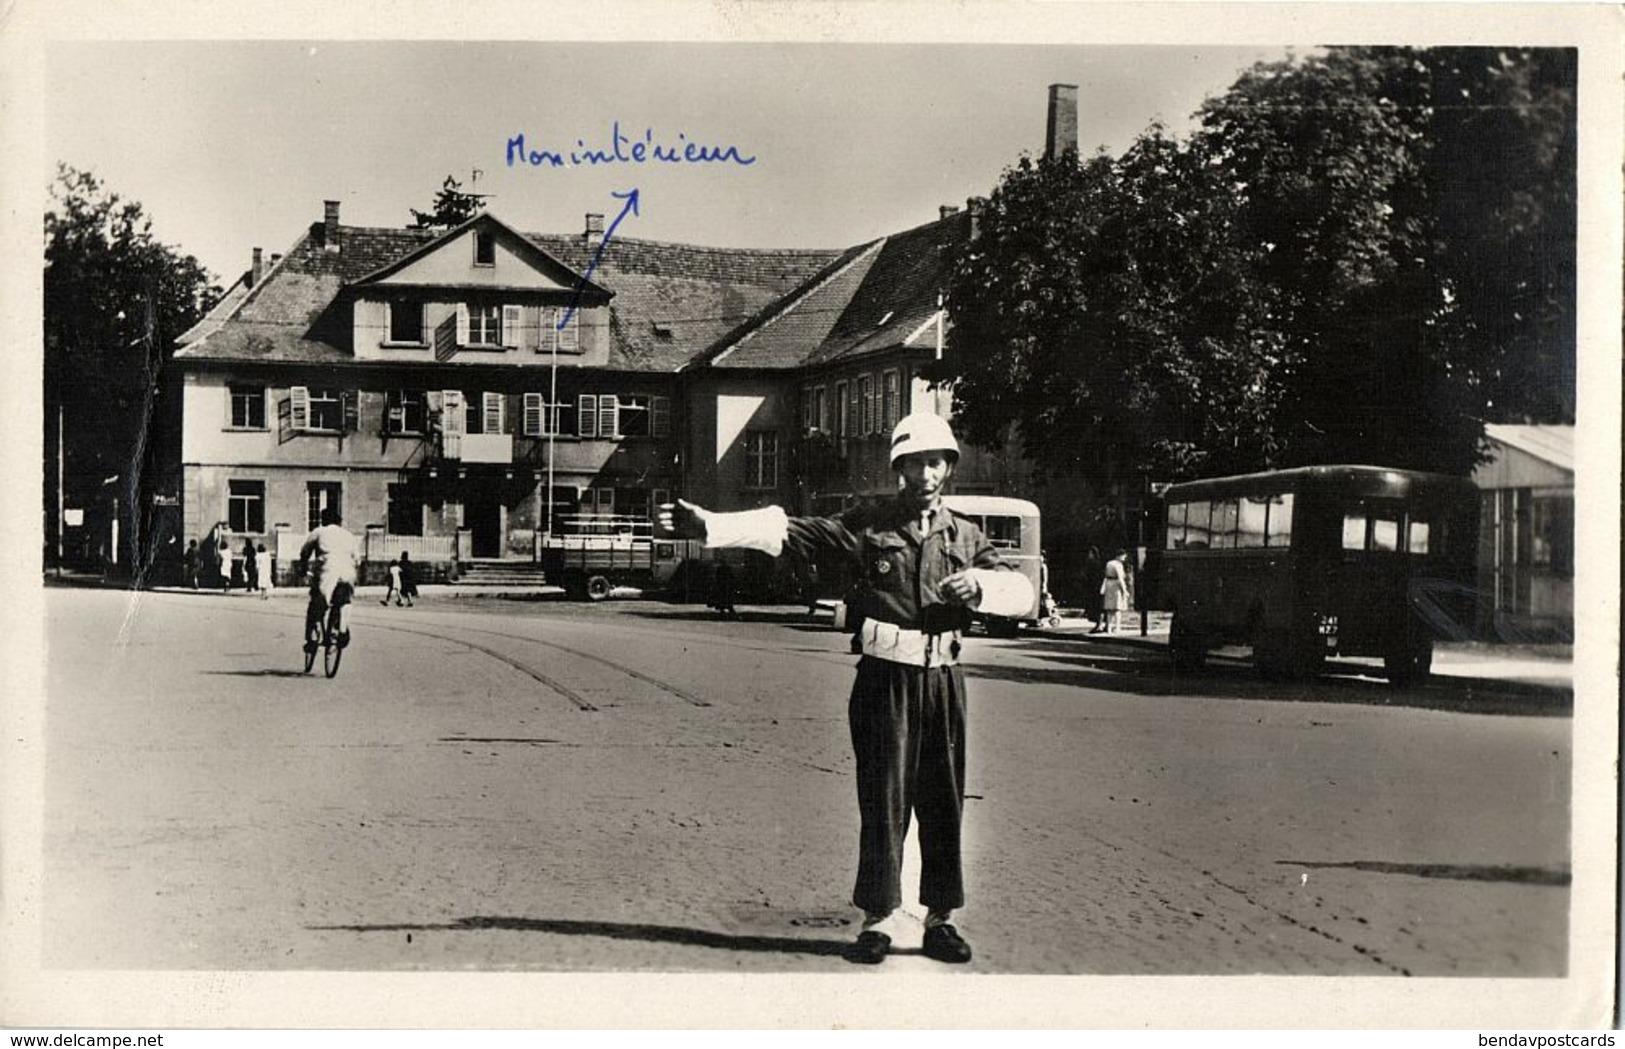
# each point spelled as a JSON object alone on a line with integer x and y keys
{"x": 1280, "y": 524}
{"x": 1418, "y": 539}
{"x": 1384, "y": 534}
{"x": 1354, "y": 531}
{"x": 1003, "y": 532}
{"x": 1251, "y": 521}
{"x": 1176, "y": 526}
{"x": 1224, "y": 524}
{"x": 1198, "y": 536}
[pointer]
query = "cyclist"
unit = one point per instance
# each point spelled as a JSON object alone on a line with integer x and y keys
{"x": 331, "y": 553}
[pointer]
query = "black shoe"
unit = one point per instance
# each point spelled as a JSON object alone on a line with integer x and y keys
{"x": 943, "y": 943}
{"x": 344, "y": 639}
{"x": 870, "y": 948}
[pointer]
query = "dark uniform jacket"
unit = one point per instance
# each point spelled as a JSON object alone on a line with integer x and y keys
{"x": 896, "y": 568}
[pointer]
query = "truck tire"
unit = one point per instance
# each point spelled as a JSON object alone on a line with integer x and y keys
{"x": 1410, "y": 667}
{"x": 598, "y": 587}
{"x": 1186, "y": 647}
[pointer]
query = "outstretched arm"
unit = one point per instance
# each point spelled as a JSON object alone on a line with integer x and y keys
{"x": 768, "y": 529}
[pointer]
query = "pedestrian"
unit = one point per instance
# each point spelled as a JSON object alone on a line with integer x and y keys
{"x": 189, "y": 564}
{"x": 221, "y": 556}
{"x": 251, "y": 568}
{"x": 409, "y": 582}
{"x": 919, "y": 570}
{"x": 1094, "y": 572}
{"x": 1115, "y": 596}
{"x": 722, "y": 591}
{"x": 264, "y": 572}
{"x": 394, "y": 584}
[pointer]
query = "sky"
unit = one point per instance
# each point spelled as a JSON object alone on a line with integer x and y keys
{"x": 229, "y": 145}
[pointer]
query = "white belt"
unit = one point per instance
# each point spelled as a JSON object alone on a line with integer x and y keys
{"x": 915, "y": 648}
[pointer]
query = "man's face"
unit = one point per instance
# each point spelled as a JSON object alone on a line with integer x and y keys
{"x": 923, "y": 475}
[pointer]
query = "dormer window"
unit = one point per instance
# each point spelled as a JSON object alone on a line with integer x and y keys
{"x": 485, "y": 249}
{"x": 405, "y": 322}
{"x": 484, "y": 324}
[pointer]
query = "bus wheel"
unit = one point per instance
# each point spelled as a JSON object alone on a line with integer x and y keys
{"x": 598, "y": 588}
{"x": 1186, "y": 647}
{"x": 999, "y": 626}
{"x": 1410, "y": 667}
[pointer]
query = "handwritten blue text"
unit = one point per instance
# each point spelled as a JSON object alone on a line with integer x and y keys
{"x": 624, "y": 150}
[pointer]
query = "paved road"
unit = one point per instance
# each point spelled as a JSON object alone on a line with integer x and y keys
{"x": 543, "y": 786}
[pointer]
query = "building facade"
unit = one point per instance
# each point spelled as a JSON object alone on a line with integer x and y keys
{"x": 451, "y": 394}
{"x": 1526, "y": 534}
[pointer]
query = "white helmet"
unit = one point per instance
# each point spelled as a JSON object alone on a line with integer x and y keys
{"x": 923, "y": 432}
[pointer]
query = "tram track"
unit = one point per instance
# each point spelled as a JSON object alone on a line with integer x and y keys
{"x": 551, "y": 683}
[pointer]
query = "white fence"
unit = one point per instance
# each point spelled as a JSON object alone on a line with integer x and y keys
{"x": 377, "y": 546}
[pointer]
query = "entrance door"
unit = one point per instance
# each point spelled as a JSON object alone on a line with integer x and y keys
{"x": 482, "y": 516}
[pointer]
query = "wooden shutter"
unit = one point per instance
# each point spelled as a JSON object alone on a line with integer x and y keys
{"x": 532, "y": 425}
{"x": 491, "y": 413}
{"x": 570, "y": 335}
{"x": 587, "y": 415}
{"x": 660, "y": 417}
{"x": 451, "y": 413}
{"x": 462, "y": 324}
{"x": 607, "y": 421}
{"x": 513, "y": 326}
{"x": 300, "y": 395}
{"x": 350, "y": 404}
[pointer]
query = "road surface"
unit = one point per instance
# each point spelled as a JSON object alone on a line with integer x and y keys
{"x": 542, "y": 786}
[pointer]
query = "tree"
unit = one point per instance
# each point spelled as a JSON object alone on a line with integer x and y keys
{"x": 452, "y": 207}
{"x": 1362, "y": 256}
{"x": 115, "y": 299}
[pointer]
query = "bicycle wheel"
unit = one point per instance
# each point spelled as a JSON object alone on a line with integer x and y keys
{"x": 310, "y": 650}
{"x": 332, "y": 652}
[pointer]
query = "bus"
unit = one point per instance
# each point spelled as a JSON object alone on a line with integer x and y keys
{"x": 1319, "y": 561}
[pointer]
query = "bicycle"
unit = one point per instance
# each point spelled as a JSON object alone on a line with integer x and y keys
{"x": 329, "y": 641}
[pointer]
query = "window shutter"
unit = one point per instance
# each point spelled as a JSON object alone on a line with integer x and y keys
{"x": 570, "y": 335}
{"x": 300, "y": 396}
{"x": 533, "y": 415}
{"x": 660, "y": 422}
{"x": 513, "y": 326}
{"x": 492, "y": 413}
{"x": 350, "y": 400}
{"x": 462, "y": 324}
{"x": 587, "y": 415}
{"x": 451, "y": 414}
{"x": 389, "y": 321}
{"x": 606, "y": 416}
{"x": 396, "y": 416}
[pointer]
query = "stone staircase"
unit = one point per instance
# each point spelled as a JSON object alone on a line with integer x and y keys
{"x": 501, "y": 573}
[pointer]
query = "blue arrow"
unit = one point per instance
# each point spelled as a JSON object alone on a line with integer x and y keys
{"x": 631, "y": 198}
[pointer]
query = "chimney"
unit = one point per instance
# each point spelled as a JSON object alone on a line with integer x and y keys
{"x": 595, "y": 228}
{"x": 330, "y": 225}
{"x": 947, "y": 210}
{"x": 1062, "y": 133}
{"x": 973, "y": 208}
{"x": 257, "y": 270}
{"x": 276, "y": 257}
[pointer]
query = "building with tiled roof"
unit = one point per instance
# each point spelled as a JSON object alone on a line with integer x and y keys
{"x": 453, "y": 392}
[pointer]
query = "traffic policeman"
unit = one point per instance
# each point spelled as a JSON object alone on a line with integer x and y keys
{"x": 921, "y": 570}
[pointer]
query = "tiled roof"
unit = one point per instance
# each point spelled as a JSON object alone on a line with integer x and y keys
{"x": 1552, "y": 444}
{"x": 871, "y": 300}
{"x": 671, "y": 301}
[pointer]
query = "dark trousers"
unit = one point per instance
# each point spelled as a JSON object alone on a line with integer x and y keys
{"x": 908, "y": 733}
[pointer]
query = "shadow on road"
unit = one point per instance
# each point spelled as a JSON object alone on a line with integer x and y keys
{"x": 1138, "y": 671}
{"x": 1452, "y": 871}
{"x": 793, "y": 618}
{"x": 615, "y": 931}
{"x": 256, "y": 673}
